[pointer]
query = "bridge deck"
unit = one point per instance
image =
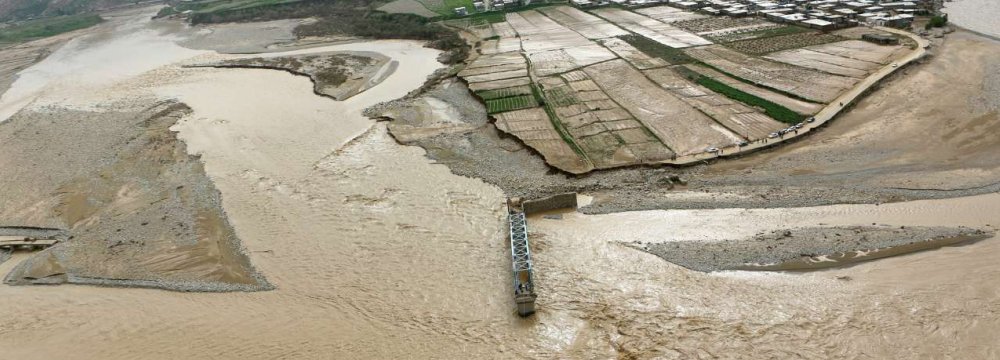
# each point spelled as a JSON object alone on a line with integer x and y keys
{"x": 524, "y": 286}
{"x": 12, "y": 242}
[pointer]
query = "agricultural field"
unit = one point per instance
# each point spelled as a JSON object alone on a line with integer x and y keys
{"x": 408, "y": 7}
{"x": 563, "y": 60}
{"x": 863, "y": 51}
{"x": 650, "y": 28}
{"x": 612, "y": 87}
{"x": 798, "y": 106}
{"x": 657, "y": 50}
{"x": 803, "y": 83}
{"x": 506, "y": 92}
{"x": 669, "y": 14}
{"x": 717, "y": 102}
{"x": 684, "y": 129}
{"x": 447, "y": 7}
{"x": 606, "y": 133}
{"x": 721, "y": 25}
{"x": 508, "y": 44}
{"x": 759, "y": 34}
{"x": 499, "y": 75}
{"x": 768, "y": 45}
{"x": 630, "y": 53}
{"x": 588, "y": 25}
{"x": 827, "y": 63}
{"x": 511, "y": 103}
{"x": 503, "y": 29}
{"x": 535, "y": 129}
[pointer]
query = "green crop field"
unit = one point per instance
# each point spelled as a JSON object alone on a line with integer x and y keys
{"x": 502, "y": 93}
{"x": 657, "y": 50}
{"x": 561, "y": 96}
{"x": 773, "y": 110}
{"x": 510, "y": 103}
{"x": 36, "y": 29}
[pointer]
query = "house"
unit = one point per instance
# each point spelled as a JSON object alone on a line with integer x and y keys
{"x": 819, "y": 24}
{"x": 880, "y": 39}
{"x": 460, "y": 11}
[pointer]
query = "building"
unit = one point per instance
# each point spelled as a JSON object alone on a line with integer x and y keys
{"x": 819, "y": 24}
{"x": 880, "y": 39}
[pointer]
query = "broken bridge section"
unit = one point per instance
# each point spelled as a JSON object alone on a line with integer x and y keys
{"x": 524, "y": 287}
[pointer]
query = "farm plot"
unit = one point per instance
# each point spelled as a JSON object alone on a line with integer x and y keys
{"x": 721, "y": 25}
{"x": 737, "y": 117}
{"x": 653, "y": 29}
{"x": 492, "y": 69}
{"x": 863, "y": 51}
{"x": 669, "y": 14}
{"x": 804, "y": 83}
{"x": 588, "y": 25}
{"x": 497, "y": 71}
{"x": 683, "y": 129}
{"x": 563, "y": 60}
{"x": 502, "y": 93}
{"x": 796, "y": 105}
{"x": 539, "y": 33}
{"x": 759, "y": 34}
{"x": 500, "y": 75}
{"x": 657, "y": 50}
{"x": 407, "y": 7}
{"x": 536, "y": 130}
{"x": 509, "y": 58}
{"x": 511, "y": 103}
{"x": 634, "y": 56}
{"x": 825, "y": 62}
{"x": 606, "y": 133}
{"x": 777, "y": 43}
{"x": 503, "y": 30}
{"x": 501, "y": 45}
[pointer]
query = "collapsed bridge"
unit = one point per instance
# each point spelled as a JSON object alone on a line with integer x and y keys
{"x": 524, "y": 286}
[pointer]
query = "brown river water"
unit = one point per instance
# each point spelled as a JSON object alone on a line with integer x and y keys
{"x": 378, "y": 253}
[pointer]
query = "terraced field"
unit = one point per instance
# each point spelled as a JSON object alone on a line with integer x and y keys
{"x": 511, "y": 103}
{"x": 653, "y": 29}
{"x": 803, "y": 83}
{"x": 588, "y": 25}
{"x": 612, "y": 87}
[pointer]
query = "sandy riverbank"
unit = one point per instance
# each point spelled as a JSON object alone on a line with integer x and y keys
{"x": 139, "y": 210}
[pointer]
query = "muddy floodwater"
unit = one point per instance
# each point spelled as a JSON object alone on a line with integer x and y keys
{"x": 377, "y": 252}
{"x": 976, "y": 15}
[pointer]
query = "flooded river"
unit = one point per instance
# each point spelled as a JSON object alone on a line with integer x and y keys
{"x": 377, "y": 252}
{"x": 976, "y": 15}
